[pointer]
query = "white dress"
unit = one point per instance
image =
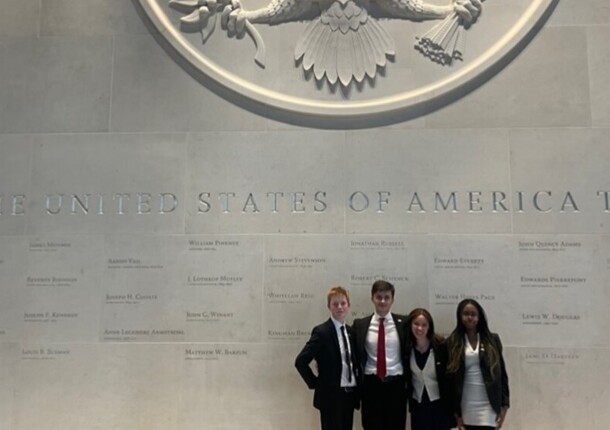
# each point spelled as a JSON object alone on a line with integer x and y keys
{"x": 476, "y": 409}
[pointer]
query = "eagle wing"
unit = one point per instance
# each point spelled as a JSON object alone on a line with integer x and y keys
{"x": 344, "y": 43}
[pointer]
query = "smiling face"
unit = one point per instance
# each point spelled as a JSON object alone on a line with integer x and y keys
{"x": 419, "y": 328}
{"x": 383, "y": 302}
{"x": 470, "y": 318}
{"x": 338, "y": 306}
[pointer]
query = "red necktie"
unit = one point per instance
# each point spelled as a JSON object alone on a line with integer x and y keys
{"x": 381, "y": 369}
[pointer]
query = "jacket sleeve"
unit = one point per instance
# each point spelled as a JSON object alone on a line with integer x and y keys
{"x": 455, "y": 380}
{"x": 306, "y": 356}
{"x": 445, "y": 383}
{"x": 357, "y": 327}
{"x": 503, "y": 375}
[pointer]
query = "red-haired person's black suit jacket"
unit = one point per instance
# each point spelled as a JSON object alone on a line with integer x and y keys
{"x": 323, "y": 347}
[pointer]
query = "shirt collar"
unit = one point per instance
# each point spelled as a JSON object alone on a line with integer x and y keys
{"x": 336, "y": 323}
{"x": 387, "y": 317}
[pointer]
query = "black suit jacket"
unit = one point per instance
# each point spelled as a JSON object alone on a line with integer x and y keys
{"x": 496, "y": 383}
{"x": 361, "y": 328}
{"x": 323, "y": 346}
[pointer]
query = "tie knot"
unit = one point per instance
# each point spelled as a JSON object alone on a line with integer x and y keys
{"x": 381, "y": 319}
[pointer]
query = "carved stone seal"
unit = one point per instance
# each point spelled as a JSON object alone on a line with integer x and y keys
{"x": 346, "y": 49}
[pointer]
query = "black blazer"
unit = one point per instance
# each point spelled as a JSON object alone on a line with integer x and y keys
{"x": 496, "y": 383}
{"x": 323, "y": 346}
{"x": 361, "y": 328}
{"x": 440, "y": 365}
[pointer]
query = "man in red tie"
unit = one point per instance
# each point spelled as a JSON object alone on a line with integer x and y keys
{"x": 379, "y": 345}
{"x": 331, "y": 345}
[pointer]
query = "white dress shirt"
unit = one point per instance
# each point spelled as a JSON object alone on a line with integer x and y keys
{"x": 393, "y": 354}
{"x": 346, "y": 367}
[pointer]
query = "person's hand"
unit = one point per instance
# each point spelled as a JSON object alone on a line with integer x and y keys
{"x": 460, "y": 423}
{"x": 468, "y": 10}
{"x": 501, "y": 417}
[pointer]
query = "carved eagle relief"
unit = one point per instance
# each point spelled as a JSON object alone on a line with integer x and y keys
{"x": 343, "y": 43}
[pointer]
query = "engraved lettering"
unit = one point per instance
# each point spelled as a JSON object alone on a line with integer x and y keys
{"x": 569, "y": 201}
{"x": 146, "y": 297}
{"x": 225, "y": 197}
{"x": 235, "y": 352}
{"x": 364, "y": 243}
{"x": 474, "y": 201}
{"x": 64, "y": 315}
{"x": 415, "y": 200}
{"x": 361, "y": 198}
{"x": 202, "y": 352}
{"x": 18, "y": 202}
{"x": 317, "y": 200}
{"x": 297, "y": 202}
{"x": 163, "y": 203}
{"x": 439, "y": 296}
{"x": 533, "y": 316}
{"x": 250, "y": 202}
{"x": 438, "y": 199}
{"x": 206, "y": 204}
{"x": 566, "y": 317}
{"x": 274, "y": 260}
{"x": 167, "y": 332}
{"x": 498, "y": 201}
{"x": 606, "y": 199}
{"x": 520, "y": 201}
{"x": 143, "y": 203}
{"x": 537, "y": 204}
{"x": 100, "y": 204}
{"x": 382, "y": 200}
{"x": 77, "y": 201}
{"x": 54, "y": 209}
{"x": 120, "y": 198}
{"x": 274, "y": 200}
{"x": 226, "y": 242}
{"x": 58, "y": 351}
{"x": 273, "y": 295}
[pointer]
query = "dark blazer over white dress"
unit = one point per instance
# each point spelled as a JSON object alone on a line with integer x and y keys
{"x": 496, "y": 383}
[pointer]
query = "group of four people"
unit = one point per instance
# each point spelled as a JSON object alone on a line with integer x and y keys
{"x": 385, "y": 361}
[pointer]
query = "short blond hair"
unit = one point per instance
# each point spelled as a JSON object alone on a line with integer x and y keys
{"x": 336, "y": 291}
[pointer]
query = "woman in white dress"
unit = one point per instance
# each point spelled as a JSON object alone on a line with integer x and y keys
{"x": 477, "y": 370}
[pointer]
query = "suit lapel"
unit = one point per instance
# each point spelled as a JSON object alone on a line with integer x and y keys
{"x": 332, "y": 332}
{"x": 483, "y": 356}
{"x": 364, "y": 331}
{"x": 400, "y": 329}
{"x": 361, "y": 338}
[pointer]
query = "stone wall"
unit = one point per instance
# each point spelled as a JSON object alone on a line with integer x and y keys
{"x": 165, "y": 252}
